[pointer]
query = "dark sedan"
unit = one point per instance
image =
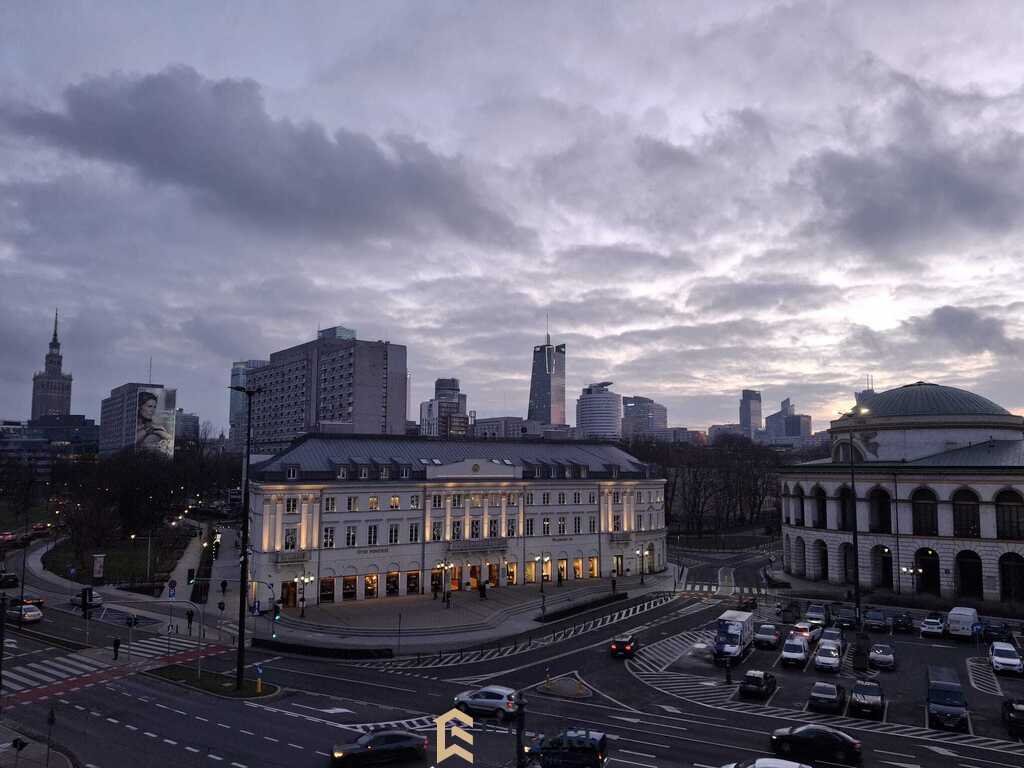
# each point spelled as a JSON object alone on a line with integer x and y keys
{"x": 624, "y": 645}
{"x": 846, "y": 618}
{"x": 1013, "y": 716}
{"x": 816, "y": 742}
{"x": 875, "y": 621}
{"x": 903, "y": 622}
{"x": 867, "y": 700}
{"x": 758, "y": 685}
{"x": 827, "y": 697}
{"x": 389, "y": 746}
{"x": 996, "y": 631}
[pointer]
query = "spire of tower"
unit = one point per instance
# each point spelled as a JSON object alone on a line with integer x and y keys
{"x": 547, "y": 328}
{"x": 54, "y": 327}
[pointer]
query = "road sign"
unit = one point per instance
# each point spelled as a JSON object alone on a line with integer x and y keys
{"x": 259, "y": 670}
{"x": 171, "y": 592}
{"x": 71, "y": 572}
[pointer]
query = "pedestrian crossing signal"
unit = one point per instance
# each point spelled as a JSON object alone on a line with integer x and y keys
{"x": 277, "y": 612}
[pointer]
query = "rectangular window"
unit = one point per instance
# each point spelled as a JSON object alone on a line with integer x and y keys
{"x": 616, "y": 523}
{"x": 493, "y": 528}
{"x": 561, "y": 526}
{"x": 456, "y": 501}
{"x": 650, "y": 521}
{"x": 343, "y": 473}
{"x": 394, "y": 503}
{"x": 352, "y": 503}
{"x": 291, "y": 505}
{"x": 639, "y": 497}
{"x": 414, "y": 501}
{"x": 293, "y": 473}
{"x": 474, "y": 529}
{"x": 561, "y": 498}
{"x": 513, "y": 499}
{"x": 350, "y": 535}
{"x": 576, "y": 497}
{"x": 529, "y": 526}
{"x": 583, "y": 472}
{"x": 371, "y": 536}
{"x": 529, "y": 499}
{"x": 393, "y": 533}
{"x": 373, "y": 503}
{"x": 616, "y": 498}
{"x": 436, "y": 501}
{"x": 546, "y": 526}
{"x": 650, "y": 496}
{"x": 364, "y": 473}
{"x": 414, "y": 533}
{"x": 592, "y": 499}
{"x": 405, "y": 473}
{"x": 291, "y": 538}
{"x": 385, "y": 472}
{"x": 577, "y": 524}
{"x": 593, "y": 524}
{"x": 330, "y": 504}
{"x": 328, "y": 541}
{"x": 436, "y": 530}
{"x": 545, "y": 498}
{"x": 456, "y": 530}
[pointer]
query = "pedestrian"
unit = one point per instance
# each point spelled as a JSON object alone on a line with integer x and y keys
{"x": 613, "y": 585}
{"x": 117, "y": 647}
{"x": 559, "y": 578}
{"x": 433, "y": 590}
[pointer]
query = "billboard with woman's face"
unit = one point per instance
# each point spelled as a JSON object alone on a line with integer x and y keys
{"x": 154, "y": 423}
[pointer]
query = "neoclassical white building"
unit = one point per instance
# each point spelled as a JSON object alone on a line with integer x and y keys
{"x": 936, "y": 493}
{"x": 339, "y": 517}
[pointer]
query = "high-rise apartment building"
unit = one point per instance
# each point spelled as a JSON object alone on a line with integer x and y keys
{"x": 750, "y": 412}
{"x": 641, "y": 416}
{"x": 445, "y": 415}
{"x": 186, "y": 427}
{"x": 335, "y": 383}
{"x": 599, "y": 413}
{"x": 547, "y": 384}
{"x": 236, "y": 404}
{"x": 139, "y": 416}
{"x": 51, "y": 387}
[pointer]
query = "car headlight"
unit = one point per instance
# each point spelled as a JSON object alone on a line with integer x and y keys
{"x": 338, "y": 754}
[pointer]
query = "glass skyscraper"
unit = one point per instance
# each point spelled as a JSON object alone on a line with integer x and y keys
{"x": 547, "y": 384}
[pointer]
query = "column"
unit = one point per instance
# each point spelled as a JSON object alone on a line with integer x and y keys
{"x": 466, "y": 514}
{"x": 267, "y": 523}
{"x": 278, "y": 532}
{"x": 945, "y": 514}
{"x": 447, "y": 533}
{"x": 832, "y": 515}
{"x": 361, "y": 587}
{"x": 863, "y": 514}
{"x": 502, "y": 524}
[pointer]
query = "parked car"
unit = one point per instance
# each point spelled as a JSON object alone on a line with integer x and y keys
{"x": 789, "y": 612}
{"x": 903, "y": 622}
{"x": 757, "y": 684}
{"x": 1013, "y": 716}
{"x": 875, "y": 621}
{"x": 882, "y": 656}
{"x": 573, "y": 748}
{"x": 961, "y": 621}
{"x": 795, "y": 652}
{"x": 495, "y": 700}
{"x": 846, "y": 618}
{"x": 934, "y": 625}
{"x": 946, "y": 704}
{"x": 993, "y": 630}
{"x": 818, "y": 615}
{"x": 39, "y": 527}
{"x": 816, "y": 742}
{"x": 827, "y": 697}
{"x": 8, "y": 537}
{"x": 827, "y": 658}
{"x": 806, "y": 630}
{"x": 624, "y": 645}
{"x": 95, "y": 599}
{"x": 867, "y": 699}
{"x": 834, "y": 635}
{"x": 746, "y": 603}
{"x": 30, "y": 614}
{"x": 766, "y": 762}
{"x": 767, "y": 636}
{"x": 1004, "y": 658}
{"x": 388, "y": 746}
{"x": 38, "y": 602}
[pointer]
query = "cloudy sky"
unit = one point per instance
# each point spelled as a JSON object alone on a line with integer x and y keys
{"x": 704, "y": 196}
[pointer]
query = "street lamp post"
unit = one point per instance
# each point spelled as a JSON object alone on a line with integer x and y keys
{"x": 243, "y": 562}
{"x": 640, "y": 560}
{"x": 302, "y": 581}
{"x": 853, "y": 500}
{"x": 149, "y": 552}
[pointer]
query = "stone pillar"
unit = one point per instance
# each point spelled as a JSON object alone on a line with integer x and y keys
{"x": 447, "y": 533}
{"x": 503, "y": 519}
{"x": 360, "y": 587}
{"x": 863, "y": 515}
{"x": 987, "y": 521}
{"x": 945, "y": 515}
{"x": 836, "y": 563}
{"x": 832, "y": 516}
{"x": 278, "y": 530}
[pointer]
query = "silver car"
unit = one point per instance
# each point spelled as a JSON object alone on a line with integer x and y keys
{"x": 827, "y": 658}
{"x": 882, "y": 656}
{"x": 495, "y": 700}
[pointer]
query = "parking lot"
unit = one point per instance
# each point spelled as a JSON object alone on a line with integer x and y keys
{"x": 904, "y": 687}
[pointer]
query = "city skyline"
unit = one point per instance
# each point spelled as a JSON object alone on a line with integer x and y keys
{"x": 726, "y": 222}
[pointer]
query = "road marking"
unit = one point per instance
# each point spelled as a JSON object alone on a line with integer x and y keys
{"x": 151, "y": 735}
{"x": 131, "y": 727}
{"x": 201, "y": 719}
{"x": 631, "y": 762}
{"x": 247, "y": 733}
{"x": 271, "y": 738}
{"x": 191, "y": 749}
{"x": 942, "y": 751}
{"x": 896, "y": 754}
{"x": 901, "y": 765}
{"x": 637, "y": 754}
{"x": 295, "y": 746}
{"x": 673, "y": 710}
{"x": 239, "y": 765}
{"x": 112, "y": 720}
{"x": 377, "y": 685}
{"x": 224, "y": 725}
{"x": 172, "y": 743}
{"x": 215, "y": 757}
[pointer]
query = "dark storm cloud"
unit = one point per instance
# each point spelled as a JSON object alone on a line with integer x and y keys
{"x": 759, "y": 294}
{"x": 216, "y": 138}
{"x": 964, "y": 330}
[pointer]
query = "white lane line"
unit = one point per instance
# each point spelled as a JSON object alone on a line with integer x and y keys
{"x": 131, "y": 727}
{"x": 191, "y": 749}
{"x": 637, "y": 754}
{"x": 631, "y": 762}
{"x": 113, "y": 720}
{"x": 897, "y": 754}
{"x": 224, "y": 725}
{"x": 171, "y": 742}
{"x": 201, "y": 719}
{"x": 247, "y": 733}
{"x": 323, "y": 754}
{"x": 151, "y": 735}
{"x": 215, "y": 757}
{"x": 239, "y": 765}
{"x": 295, "y": 746}
{"x": 271, "y": 738}
{"x": 179, "y": 711}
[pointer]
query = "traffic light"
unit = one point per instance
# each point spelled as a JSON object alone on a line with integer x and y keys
{"x": 277, "y": 612}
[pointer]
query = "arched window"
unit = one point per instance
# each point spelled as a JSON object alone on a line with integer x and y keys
{"x": 820, "y": 508}
{"x": 798, "y": 505}
{"x": 966, "y": 518}
{"x": 847, "y": 510}
{"x": 880, "y": 511}
{"x": 926, "y": 515}
{"x": 1009, "y": 515}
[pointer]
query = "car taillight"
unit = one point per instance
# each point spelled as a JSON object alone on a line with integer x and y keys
{"x": 614, "y": 647}
{"x": 426, "y": 743}
{"x": 509, "y": 704}
{"x": 629, "y": 647}
{"x": 856, "y": 745}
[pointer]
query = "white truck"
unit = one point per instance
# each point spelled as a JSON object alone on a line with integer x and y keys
{"x": 734, "y": 636}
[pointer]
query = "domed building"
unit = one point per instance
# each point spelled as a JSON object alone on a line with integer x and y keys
{"x": 936, "y": 491}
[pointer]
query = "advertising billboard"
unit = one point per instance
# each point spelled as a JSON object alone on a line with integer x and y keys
{"x": 154, "y": 421}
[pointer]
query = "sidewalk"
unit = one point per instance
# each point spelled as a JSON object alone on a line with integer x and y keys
{"x": 32, "y": 755}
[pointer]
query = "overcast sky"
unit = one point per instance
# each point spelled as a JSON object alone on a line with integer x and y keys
{"x": 704, "y": 196}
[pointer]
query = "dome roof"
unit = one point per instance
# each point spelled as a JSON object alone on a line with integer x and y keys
{"x": 924, "y": 399}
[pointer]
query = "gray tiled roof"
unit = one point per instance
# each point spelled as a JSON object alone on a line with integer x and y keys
{"x": 321, "y": 453}
{"x": 992, "y": 453}
{"x": 924, "y": 399}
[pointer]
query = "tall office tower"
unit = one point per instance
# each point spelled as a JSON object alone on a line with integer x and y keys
{"x": 236, "y": 403}
{"x": 599, "y": 413}
{"x": 445, "y": 415}
{"x": 641, "y": 416}
{"x": 186, "y": 428}
{"x": 775, "y": 423}
{"x": 51, "y": 388}
{"x": 335, "y": 383}
{"x": 139, "y": 416}
{"x": 750, "y": 412}
{"x": 547, "y": 384}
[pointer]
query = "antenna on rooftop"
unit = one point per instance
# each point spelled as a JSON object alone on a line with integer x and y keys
{"x": 151, "y": 370}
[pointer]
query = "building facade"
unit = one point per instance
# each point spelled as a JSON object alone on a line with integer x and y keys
{"x": 750, "y": 412}
{"x": 333, "y": 383}
{"x": 641, "y": 415}
{"x": 379, "y": 517}
{"x": 716, "y": 431}
{"x": 51, "y": 387}
{"x": 237, "y": 403}
{"x": 547, "y": 384}
{"x": 599, "y": 413}
{"x": 120, "y": 425}
{"x": 445, "y": 415}
{"x": 186, "y": 427}
{"x": 936, "y": 494}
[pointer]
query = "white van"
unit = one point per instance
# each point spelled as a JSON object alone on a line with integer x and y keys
{"x": 960, "y": 622}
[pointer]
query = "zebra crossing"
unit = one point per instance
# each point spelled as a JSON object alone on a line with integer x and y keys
{"x": 658, "y": 656}
{"x": 706, "y": 588}
{"x": 981, "y": 676}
